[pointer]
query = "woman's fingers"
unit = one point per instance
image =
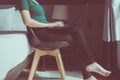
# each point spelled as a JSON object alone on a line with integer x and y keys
{"x": 60, "y": 24}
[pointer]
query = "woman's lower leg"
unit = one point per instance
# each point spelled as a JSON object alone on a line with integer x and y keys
{"x": 90, "y": 64}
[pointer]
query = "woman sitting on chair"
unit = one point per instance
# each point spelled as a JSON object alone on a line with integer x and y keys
{"x": 33, "y": 16}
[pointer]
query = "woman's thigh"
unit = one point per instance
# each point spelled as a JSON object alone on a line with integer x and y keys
{"x": 51, "y": 35}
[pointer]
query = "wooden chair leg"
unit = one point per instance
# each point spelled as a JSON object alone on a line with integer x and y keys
{"x": 60, "y": 64}
{"x": 39, "y": 53}
{"x": 35, "y": 62}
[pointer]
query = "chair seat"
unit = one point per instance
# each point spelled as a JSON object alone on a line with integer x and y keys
{"x": 52, "y": 45}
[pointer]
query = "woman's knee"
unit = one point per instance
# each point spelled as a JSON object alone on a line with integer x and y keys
{"x": 76, "y": 30}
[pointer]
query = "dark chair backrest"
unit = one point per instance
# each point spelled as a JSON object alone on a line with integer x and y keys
{"x": 33, "y": 39}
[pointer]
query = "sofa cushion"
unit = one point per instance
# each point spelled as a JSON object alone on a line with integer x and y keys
{"x": 7, "y": 17}
{"x": 10, "y": 19}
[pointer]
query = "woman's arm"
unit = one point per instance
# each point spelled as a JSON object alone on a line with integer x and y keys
{"x": 28, "y": 21}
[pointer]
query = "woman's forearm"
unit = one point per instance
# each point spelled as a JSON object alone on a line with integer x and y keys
{"x": 36, "y": 24}
{"x": 33, "y": 23}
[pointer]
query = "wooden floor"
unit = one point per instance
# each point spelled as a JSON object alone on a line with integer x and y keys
{"x": 51, "y": 75}
{"x": 54, "y": 75}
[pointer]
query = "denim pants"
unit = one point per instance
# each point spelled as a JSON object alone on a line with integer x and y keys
{"x": 76, "y": 39}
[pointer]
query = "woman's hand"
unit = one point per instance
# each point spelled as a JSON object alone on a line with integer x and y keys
{"x": 59, "y": 23}
{"x": 56, "y": 24}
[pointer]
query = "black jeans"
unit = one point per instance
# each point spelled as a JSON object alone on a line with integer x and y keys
{"x": 77, "y": 39}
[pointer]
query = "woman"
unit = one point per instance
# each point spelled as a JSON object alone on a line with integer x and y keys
{"x": 33, "y": 16}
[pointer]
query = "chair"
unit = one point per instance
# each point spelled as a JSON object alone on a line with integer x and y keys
{"x": 43, "y": 49}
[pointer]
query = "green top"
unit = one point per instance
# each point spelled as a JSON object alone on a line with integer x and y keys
{"x": 36, "y": 10}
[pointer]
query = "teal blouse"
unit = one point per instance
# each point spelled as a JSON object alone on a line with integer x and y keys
{"x": 36, "y": 10}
